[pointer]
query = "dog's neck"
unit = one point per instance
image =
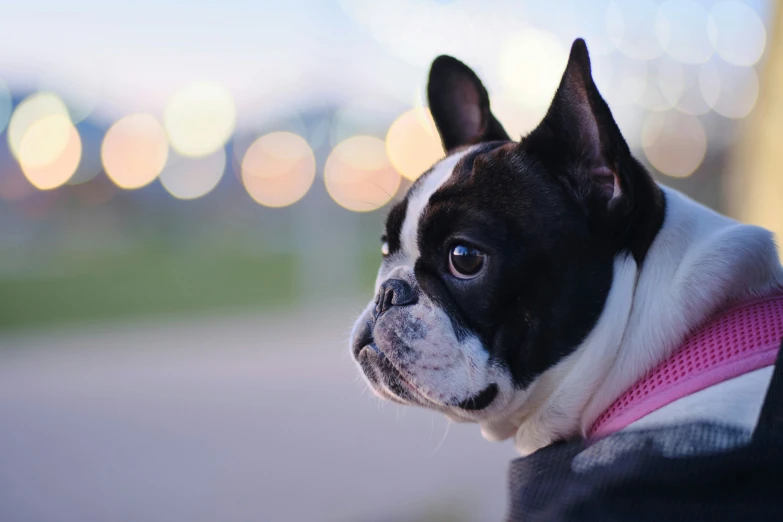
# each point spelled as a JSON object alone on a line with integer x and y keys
{"x": 700, "y": 263}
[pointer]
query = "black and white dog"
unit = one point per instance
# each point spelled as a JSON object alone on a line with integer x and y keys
{"x": 525, "y": 285}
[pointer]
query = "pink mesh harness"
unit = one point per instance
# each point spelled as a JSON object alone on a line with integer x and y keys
{"x": 736, "y": 342}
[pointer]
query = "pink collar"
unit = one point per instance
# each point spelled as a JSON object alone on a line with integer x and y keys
{"x": 736, "y": 342}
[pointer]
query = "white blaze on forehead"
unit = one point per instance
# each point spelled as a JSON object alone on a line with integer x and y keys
{"x": 418, "y": 200}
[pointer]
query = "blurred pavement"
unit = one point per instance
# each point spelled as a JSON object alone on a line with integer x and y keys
{"x": 258, "y": 417}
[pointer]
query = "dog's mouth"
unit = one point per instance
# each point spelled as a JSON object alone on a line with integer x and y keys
{"x": 384, "y": 377}
{"x": 392, "y": 384}
{"x": 364, "y": 340}
{"x": 481, "y": 400}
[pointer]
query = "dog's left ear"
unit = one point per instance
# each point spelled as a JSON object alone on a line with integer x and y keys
{"x": 579, "y": 130}
{"x": 460, "y": 105}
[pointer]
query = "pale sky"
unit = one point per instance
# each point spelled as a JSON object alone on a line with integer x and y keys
{"x": 135, "y": 54}
{"x": 129, "y": 56}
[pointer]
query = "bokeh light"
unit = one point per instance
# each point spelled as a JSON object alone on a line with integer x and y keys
{"x": 80, "y": 85}
{"x": 531, "y": 65}
{"x": 664, "y": 86}
{"x": 629, "y": 118}
{"x": 674, "y": 143}
{"x": 190, "y": 178}
{"x": 278, "y": 169}
{"x": 630, "y": 27}
{"x": 45, "y": 140}
{"x": 50, "y": 151}
{"x": 691, "y": 99}
{"x": 681, "y": 28}
{"x": 31, "y": 110}
{"x": 366, "y": 115}
{"x": 418, "y": 30}
{"x": 516, "y": 119}
{"x": 671, "y": 81}
{"x": 90, "y": 165}
{"x": 286, "y": 121}
{"x": 627, "y": 83}
{"x": 134, "y": 151}
{"x": 6, "y": 105}
{"x": 572, "y": 21}
{"x": 737, "y": 33}
{"x": 680, "y": 86}
{"x": 602, "y": 68}
{"x": 730, "y": 90}
{"x": 359, "y": 176}
{"x": 413, "y": 144}
{"x": 200, "y": 118}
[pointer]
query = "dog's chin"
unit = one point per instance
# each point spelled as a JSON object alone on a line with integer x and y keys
{"x": 385, "y": 380}
{"x": 402, "y": 364}
{"x": 390, "y": 383}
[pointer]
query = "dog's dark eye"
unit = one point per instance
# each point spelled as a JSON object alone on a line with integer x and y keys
{"x": 466, "y": 262}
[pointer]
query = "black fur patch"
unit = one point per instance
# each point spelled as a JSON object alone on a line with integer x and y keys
{"x": 552, "y": 213}
{"x": 548, "y": 224}
{"x": 547, "y": 276}
{"x": 394, "y": 221}
{"x": 396, "y": 216}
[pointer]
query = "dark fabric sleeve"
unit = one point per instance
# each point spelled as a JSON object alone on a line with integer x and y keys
{"x": 690, "y": 473}
{"x": 770, "y": 426}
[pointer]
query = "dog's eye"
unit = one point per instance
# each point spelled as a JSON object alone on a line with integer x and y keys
{"x": 466, "y": 262}
{"x": 385, "y": 248}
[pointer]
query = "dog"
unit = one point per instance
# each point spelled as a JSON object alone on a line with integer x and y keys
{"x": 524, "y": 286}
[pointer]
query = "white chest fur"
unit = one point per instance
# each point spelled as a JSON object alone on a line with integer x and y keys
{"x": 700, "y": 263}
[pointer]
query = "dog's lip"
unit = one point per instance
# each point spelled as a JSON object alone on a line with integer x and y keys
{"x": 363, "y": 342}
{"x": 400, "y": 377}
{"x": 418, "y": 396}
{"x": 364, "y": 339}
{"x": 392, "y": 372}
{"x": 357, "y": 352}
{"x": 481, "y": 400}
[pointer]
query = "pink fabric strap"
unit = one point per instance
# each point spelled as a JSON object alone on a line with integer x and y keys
{"x": 738, "y": 341}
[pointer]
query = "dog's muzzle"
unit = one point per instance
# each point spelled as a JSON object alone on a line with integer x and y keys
{"x": 392, "y": 292}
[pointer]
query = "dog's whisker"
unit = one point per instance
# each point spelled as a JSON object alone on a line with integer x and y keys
{"x": 443, "y": 438}
{"x": 374, "y": 206}
{"x": 382, "y": 189}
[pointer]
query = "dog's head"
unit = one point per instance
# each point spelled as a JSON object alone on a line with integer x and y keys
{"x": 498, "y": 262}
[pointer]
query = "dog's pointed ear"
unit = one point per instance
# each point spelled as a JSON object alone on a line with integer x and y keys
{"x": 460, "y": 105}
{"x": 587, "y": 137}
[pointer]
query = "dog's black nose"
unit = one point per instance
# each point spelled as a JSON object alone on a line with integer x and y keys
{"x": 393, "y": 292}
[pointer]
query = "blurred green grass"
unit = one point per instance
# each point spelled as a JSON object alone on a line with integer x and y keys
{"x": 368, "y": 268}
{"x": 155, "y": 275}
{"x": 144, "y": 282}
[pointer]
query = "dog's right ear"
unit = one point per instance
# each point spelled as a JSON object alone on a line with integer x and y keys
{"x": 460, "y": 105}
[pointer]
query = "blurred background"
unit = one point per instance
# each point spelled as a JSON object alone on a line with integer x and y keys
{"x": 191, "y": 198}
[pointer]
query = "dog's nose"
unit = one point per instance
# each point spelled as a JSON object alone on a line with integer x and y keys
{"x": 393, "y": 292}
